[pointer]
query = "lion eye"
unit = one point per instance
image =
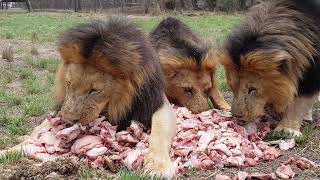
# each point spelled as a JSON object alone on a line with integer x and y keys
{"x": 93, "y": 91}
{"x": 68, "y": 83}
{"x": 188, "y": 91}
{"x": 252, "y": 90}
{"x": 206, "y": 91}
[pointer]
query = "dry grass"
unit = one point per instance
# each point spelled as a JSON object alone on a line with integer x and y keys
{"x": 34, "y": 51}
{"x": 34, "y": 37}
{"x": 8, "y": 54}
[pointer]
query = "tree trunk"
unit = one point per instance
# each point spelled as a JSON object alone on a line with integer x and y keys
{"x": 166, "y": 5}
{"x": 187, "y": 5}
{"x": 75, "y": 5}
{"x": 146, "y": 6}
{"x": 122, "y": 5}
{"x": 79, "y": 5}
{"x": 29, "y": 6}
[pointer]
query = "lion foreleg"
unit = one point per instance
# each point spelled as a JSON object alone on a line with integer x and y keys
{"x": 157, "y": 162}
{"x": 217, "y": 98}
{"x": 295, "y": 114}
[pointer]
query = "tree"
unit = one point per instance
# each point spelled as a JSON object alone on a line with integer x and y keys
{"x": 29, "y": 6}
{"x": 146, "y": 5}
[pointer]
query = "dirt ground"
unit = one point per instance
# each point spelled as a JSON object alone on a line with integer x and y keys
{"x": 69, "y": 169}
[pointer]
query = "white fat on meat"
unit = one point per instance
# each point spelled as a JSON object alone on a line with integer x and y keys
{"x": 86, "y": 143}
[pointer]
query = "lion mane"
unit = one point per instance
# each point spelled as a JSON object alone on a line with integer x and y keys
{"x": 123, "y": 52}
{"x": 280, "y": 42}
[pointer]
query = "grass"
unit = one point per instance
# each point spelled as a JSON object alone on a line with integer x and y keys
{"x": 30, "y": 97}
{"x": 8, "y": 54}
{"x": 191, "y": 172}
{"x": 221, "y": 79}
{"x": 11, "y": 158}
{"x": 46, "y": 27}
{"x": 307, "y": 133}
{"x": 36, "y": 26}
{"x": 10, "y": 99}
{"x": 25, "y": 73}
{"x": 49, "y": 64}
{"x": 127, "y": 175}
{"x": 34, "y": 51}
{"x": 84, "y": 173}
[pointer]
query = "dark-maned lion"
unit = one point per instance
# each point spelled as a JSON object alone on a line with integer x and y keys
{"x": 274, "y": 58}
{"x": 188, "y": 65}
{"x": 111, "y": 69}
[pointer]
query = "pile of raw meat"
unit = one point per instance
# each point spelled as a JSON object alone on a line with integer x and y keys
{"x": 204, "y": 141}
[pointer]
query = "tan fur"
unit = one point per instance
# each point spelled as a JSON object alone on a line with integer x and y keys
{"x": 82, "y": 78}
{"x": 184, "y": 73}
{"x": 266, "y": 58}
{"x": 71, "y": 53}
{"x": 157, "y": 162}
{"x": 295, "y": 113}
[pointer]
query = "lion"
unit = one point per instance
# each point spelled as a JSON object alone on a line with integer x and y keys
{"x": 273, "y": 59}
{"x": 110, "y": 68}
{"x": 189, "y": 66}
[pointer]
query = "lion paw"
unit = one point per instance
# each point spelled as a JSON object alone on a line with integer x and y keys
{"x": 308, "y": 116}
{"x": 292, "y": 132}
{"x": 162, "y": 168}
{"x": 225, "y": 107}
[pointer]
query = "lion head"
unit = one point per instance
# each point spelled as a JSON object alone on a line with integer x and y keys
{"x": 260, "y": 79}
{"x": 266, "y": 58}
{"x": 188, "y": 63}
{"x": 189, "y": 88}
{"x": 108, "y": 68}
{"x": 88, "y": 90}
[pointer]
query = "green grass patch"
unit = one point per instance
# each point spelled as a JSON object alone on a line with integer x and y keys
{"x": 307, "y": 133}
{"x": 7, "y": 141}
{"x": 4, "y": 118}
{"x": 214, "y": 27}
{"x": 10, "y": 99}
{"x": 191, "y": 172}
{"x": 84, "y": 173}
{"x": 11, "y": 157}
{"x": 32, "y": 86}
{"x": 221, "y": 79}
{"x": 17, "y": 126}
{"x": 50, "y": 64}
{"x": 126, "y": 175}
{"x": 46, "y": 27}
{"x": 37, "y": 27}
{"x": 50, "y": 79}
{"x": 8, "y": 35}
{"x": 12, "y": 124}
{"x": 6, "y": 77}
{"x": 26, "y": 73}
{"x": 37, "y": 105}
{"x": 276, "y": 135}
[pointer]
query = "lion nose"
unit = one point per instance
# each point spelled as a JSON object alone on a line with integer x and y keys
{"x": 69, "y": 118}
{"x": 236, "y": 114}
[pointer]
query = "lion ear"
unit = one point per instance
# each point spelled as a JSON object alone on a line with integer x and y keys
{"x": 71, "y": 53}
{"x": 284, "y": 61}
{"x": 285, "y": 65}
{"x": 170, "y": 73}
